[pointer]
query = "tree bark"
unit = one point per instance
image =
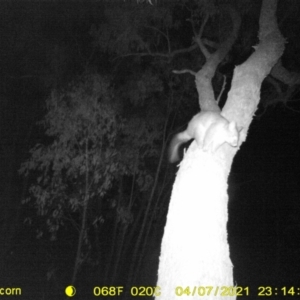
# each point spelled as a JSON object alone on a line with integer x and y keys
{"x": 194, "y": 258}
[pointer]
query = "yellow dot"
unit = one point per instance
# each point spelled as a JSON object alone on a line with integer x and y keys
{"x": 70, "y": 291}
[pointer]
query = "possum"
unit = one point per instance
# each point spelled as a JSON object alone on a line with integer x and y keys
{"x": 210, "y": 130}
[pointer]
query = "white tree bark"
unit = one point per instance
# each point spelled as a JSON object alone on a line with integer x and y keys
{"x": 194, "y": 257}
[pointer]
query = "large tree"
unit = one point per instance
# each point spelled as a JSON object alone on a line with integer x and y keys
{"x": 194, "y": 258}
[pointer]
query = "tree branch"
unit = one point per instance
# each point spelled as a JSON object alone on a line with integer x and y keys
{"x": 285, "y": 76}
{"x": 184, "y": 71}
{"x": 198, "y": 36}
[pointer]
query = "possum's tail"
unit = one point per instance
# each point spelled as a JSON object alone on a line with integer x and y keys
{"x": 178, "y": 139}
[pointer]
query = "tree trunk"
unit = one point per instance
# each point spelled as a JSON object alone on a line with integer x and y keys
{"x": 194, "y": 257}
{"x": 79, "y": 260}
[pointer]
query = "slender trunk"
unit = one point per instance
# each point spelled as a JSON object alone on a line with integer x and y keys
{"x": 119, "y": 253}
{"x": 78, "y": 261}
{"x": 139, "y": 253}
{"x": 114, "y": 241}
{"x": 109, "y": 264}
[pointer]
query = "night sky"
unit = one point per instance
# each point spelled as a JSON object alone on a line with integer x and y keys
{"x": 60, "y": 51}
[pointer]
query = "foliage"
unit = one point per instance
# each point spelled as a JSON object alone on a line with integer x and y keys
{"x": 128, "y": 29}
{"x": 83, "y": 127}
{"x": 89, "y": 143}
